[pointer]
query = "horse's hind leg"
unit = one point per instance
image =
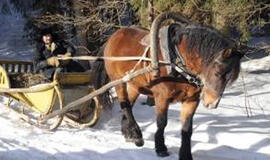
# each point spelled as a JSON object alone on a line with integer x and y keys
{"x": 188, "y": 109}
{"x": 162, "y": 113}
{"x": 130, "y": 128}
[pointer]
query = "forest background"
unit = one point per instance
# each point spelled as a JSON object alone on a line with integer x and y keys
{"x": 88, "y": 23}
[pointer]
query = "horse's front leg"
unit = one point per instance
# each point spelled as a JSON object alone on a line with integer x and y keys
{"x": 129, "y": 127}
{"x": 162, "y": 116}
{"x": 187, "y": 112}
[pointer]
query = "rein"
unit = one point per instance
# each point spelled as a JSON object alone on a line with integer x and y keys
{"x": 122, "y": 58}
{"x": 179, "y": 64}
{"x": 179, "y": 67}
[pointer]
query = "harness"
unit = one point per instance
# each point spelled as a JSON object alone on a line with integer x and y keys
{"x": 171, "y": 55}
{"x": 181, "y": 69}
{"x": 179, "y": 65}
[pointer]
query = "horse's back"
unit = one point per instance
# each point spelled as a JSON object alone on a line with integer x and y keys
{"x": 126, "y": 42}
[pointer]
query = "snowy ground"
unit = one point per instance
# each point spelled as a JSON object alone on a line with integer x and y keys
{"x": 12, "y": 41}
{"x": 222, "y": 134}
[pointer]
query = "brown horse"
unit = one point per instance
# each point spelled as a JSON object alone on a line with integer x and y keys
{"x": 207, "y": 54}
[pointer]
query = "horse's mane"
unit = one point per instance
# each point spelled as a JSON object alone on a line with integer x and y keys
{"x": 205, "y": 40}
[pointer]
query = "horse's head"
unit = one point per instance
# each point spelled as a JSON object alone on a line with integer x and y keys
{"x": 223, "y": 70}
{"x": 208, "y": 54}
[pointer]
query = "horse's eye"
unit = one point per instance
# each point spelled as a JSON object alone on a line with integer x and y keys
{"x": 217, "y": 74}
{"x": 222, "y": 73}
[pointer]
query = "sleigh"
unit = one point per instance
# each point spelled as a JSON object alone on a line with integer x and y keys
{"x": 39, "y": 100}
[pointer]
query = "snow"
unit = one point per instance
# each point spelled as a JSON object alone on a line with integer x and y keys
{"x": 225, "y": 133}
{"x": 13, "y": 44}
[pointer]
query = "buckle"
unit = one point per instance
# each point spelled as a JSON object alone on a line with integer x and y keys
{"x": 194, "y": 81}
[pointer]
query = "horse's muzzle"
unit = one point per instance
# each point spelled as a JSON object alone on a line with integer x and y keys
{"x": 212, "y": 105}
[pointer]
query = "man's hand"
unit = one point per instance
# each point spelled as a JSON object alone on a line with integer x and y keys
{"x": 53, "y": 61}
{"x": 66, "y": 55}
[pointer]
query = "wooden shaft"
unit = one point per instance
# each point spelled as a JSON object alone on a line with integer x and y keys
{"x": 75, "y": 105}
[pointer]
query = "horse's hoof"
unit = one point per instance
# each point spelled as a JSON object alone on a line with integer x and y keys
{"x": 186, "y": 158}
{"x": 139, "y": 142}
{"x": 163, "y": 154}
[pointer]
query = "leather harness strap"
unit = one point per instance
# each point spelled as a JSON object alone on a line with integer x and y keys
{"x": 179, "y": 65}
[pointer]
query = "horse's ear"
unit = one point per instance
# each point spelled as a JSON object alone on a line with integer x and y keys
{"x": 226, "y": 53}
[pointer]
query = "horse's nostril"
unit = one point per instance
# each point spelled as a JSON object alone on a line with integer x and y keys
{"x": 205, "y": 104}
{"x": 215, "y": 104}
{"x": 212, "y": 106}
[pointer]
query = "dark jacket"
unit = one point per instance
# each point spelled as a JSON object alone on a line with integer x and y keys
{"x": 42, "y": 54}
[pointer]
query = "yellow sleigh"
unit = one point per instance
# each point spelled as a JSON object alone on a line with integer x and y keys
{"x": 40, "y": 100}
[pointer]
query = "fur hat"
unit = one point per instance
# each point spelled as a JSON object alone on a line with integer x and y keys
{"x": 46, "y": 31}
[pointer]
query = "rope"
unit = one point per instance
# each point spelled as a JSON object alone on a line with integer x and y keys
{"x": 122, "y": 58}
{"x": 143, "y": 56}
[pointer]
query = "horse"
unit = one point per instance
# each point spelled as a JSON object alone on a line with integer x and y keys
{"x": 212, "y": 58}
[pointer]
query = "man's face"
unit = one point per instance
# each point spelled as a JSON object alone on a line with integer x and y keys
{"x": 47, "y": 38}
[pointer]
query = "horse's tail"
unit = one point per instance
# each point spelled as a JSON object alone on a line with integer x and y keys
{"x": 154, "y": 33}
{"x": 100, "y": 79}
